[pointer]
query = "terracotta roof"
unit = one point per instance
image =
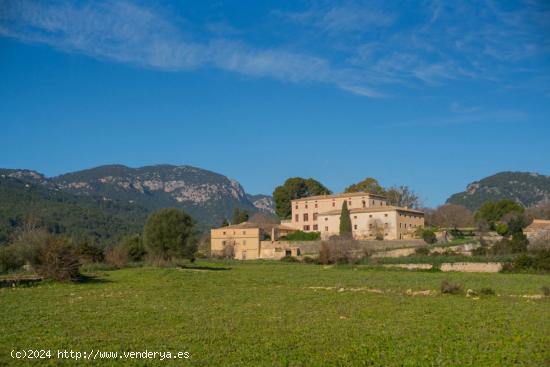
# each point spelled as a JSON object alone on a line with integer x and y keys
{"x": 538, "y": 225}
{"x": 341, "y": 195}
{"x": 285, "y": 228}
{"x": 377, "y": 209}
{"x": 243, "y": 225}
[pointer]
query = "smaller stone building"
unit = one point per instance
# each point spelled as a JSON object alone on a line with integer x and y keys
{"x": 249, "y": 241}
{"x": 539, "y": 228}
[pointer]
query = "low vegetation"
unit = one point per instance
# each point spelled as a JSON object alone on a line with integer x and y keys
{"x": 275, "y": 313}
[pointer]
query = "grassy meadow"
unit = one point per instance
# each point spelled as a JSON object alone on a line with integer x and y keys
{"x": 275, "y": 313}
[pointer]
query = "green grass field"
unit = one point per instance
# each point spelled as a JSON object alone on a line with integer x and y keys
{"x": 272, "y": 313}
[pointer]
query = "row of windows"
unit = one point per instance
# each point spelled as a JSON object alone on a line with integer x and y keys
{"x": 315, "y": 227}
{"x": 410, "y": 225}
{"x": 232, "y": 243}
{"x": 234, "y": 232}
{"x": 363, "y": 203}
{"x": 305, "y": 217}
{"x": 410, "y": 216}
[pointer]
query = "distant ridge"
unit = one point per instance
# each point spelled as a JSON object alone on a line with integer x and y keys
{"x": 525, "y": 188}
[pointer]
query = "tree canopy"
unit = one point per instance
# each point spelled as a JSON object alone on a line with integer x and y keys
{"x": 295, "y": 188}
{"x": 396, "y": 195}
{"x": 170, "y": 233}
{"x": 239, "y": 216}
{"x": 493, "y": 211}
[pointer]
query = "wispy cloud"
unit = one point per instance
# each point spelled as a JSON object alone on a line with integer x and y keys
{"x": 365, "y": 49}
{"x": 123, "y": 32}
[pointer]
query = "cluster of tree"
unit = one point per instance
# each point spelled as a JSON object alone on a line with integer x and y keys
{"x": 295, "y": 188}
{"x": 168, "y": 234}
{"x": 449, "y": 216}
{"x": 79, "y": 217}
{"x": 401, "y": 196}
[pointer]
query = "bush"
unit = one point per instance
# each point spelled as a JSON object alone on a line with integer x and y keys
{"x": 502, "y": 229}
{"x": 422, "y": 250}
{"x": 90, "y": 253}
{"x": 450, "y": 288}
{"x": 57, "y": 259}
{"x": 428, "y": 235}
{"x": 309, "y": 260}
{"x": 538, "y": 262}
{"x": 10, "y": 259}
{"x": 117, "y": 256}
{"x": 290, "y": 259}
{"x": 338, "y": 251}
{"x": 134, "y": 247}
{"x": 303, "y": 236}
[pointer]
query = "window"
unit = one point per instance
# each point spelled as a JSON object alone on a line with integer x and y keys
{"x": 385, "y": 215}
{"x": 306, "y": 206}
{"x": 306, "y": 228}
{"x": 316, "y": 205}
{"x": 315, "y": 227}
{"x": 296, "y": 206}
{"x": 326, "y": 218}
{"x": 355, "y": 217}
{"x": 385, "y": 225}
{"x": 364, "y": 203}
{"x": 370, "y": 225}
{"x": 373, "y": 202}
{"x": 223, "y": 243}
{"x": 370, "y": 215}
{"x": 326, "y": 229}
{"x": 349, "y": 203}
{"x": 314, "y": 216}
{"x": 333, "y": 203}
{"x": 244, "y": 232}
{"x": 355, "y": 226}
{"x": 244, "y": 242}
{"x": 224, "y": 233}
{"x": 297, "y": 217}
{"x": 306, "y": 217}
{"x": 399, "y": 225}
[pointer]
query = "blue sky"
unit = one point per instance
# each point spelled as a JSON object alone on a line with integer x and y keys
{"x": 431, "y": 94}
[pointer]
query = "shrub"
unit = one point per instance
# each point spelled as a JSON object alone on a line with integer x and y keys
{"x": 134, "y": 247}
{"x": 450, "y": 288}
{"x": 428, "y": 235}
{"x": 309, "y": 260}
{"x": 90, "y": 253}
{"x": 422, "y": 250}
{"x": 303, "y": 236}
{"x": 117, "y": 256}
{"x": 502, "y": 229}
{"x": 486, "y": 291}
{"x": 538, "y": 262}
{"x": 57, "y": 259}
{"x": 10, "y": 259}
{"x": 290, "y": 259}
{"x": 339, "y": 251}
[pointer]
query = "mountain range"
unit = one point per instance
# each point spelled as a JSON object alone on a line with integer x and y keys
{"x": 526, "y": 188}
{"x": 129, "y": 193}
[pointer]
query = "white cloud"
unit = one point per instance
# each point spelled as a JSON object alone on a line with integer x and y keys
{"x": 123, "y": 32}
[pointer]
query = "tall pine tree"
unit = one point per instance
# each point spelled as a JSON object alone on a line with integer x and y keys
{"x": 345, "y": 221}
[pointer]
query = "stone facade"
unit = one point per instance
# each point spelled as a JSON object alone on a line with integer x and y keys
{"x": 371, "y": 216}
